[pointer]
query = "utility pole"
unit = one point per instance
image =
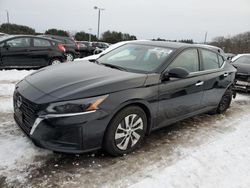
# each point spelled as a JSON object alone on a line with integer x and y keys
{"x": 90, "y": 34}
{"x": 205, "y": 40}
{"x": 8, "y": 18}
{"x": 99, "y": 20}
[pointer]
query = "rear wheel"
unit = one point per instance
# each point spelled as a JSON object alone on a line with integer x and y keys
{"x": 225, "y": 102}
{"x": 126, "y": 131}
{"x": 70, "y": 57}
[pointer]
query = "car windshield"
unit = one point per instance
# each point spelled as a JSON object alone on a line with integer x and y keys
{"x": 135, "y": 57}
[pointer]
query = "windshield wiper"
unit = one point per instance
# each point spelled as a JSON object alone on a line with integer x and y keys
{"x": 114, "y": 66}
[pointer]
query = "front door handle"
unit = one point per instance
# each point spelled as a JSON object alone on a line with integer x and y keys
{"x": 226, "y": 74}
{"x": 199, "y": 83}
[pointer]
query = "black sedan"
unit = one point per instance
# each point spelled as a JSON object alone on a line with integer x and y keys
{"x": 114, "y": 102}
{"x": 71, "y": 47}
{"x": 25, "y": 51}
{"x": 242, "y": 63}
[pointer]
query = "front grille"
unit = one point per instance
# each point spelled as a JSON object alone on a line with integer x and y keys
{"x": 243, "y": 77}
{"x": 28, "y": 111}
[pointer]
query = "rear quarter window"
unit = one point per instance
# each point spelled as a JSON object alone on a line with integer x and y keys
{"x": 221, "y": 60}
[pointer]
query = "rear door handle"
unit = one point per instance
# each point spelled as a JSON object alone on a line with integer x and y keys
{"x": 226, "y": 74}
{"x": 199, "y": 83}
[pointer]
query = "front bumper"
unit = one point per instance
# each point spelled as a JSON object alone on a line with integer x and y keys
{"x": 242, "y": 85}
{"x": 76, "y": 133}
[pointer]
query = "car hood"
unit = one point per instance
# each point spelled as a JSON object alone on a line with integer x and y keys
{"x": 79, "y": 80}
{"x": 242, "y": 68}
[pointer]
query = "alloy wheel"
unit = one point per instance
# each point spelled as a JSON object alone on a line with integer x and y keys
{"x": 129, "y": 132}
{"x": 70, "y": 57}
{"x": 55, "y": 62}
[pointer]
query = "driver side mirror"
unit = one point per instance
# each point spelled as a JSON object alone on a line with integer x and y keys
{"x": 177, "y": 72}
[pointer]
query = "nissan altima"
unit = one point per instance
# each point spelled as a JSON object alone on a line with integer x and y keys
{"x": 114, "y": 101}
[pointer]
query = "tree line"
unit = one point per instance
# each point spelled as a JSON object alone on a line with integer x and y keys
{"x": 108, "y": 36}
{"x": 239, "y": 43}
{"x": 236, "y": 44}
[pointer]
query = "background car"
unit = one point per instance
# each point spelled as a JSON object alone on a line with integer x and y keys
{"x": 85, "y": 48}
{"x": 130, "y": 91}
{"x": 99, "y": 46}
{"x": 18, "y": 51}
{"x": 242, "y": 63}
{"x": 3, "y": 34}
{"x": 71, "y": 47}
{"x": 110, "y": 48}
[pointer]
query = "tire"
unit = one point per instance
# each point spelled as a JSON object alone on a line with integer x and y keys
{"x": 55, "y": 62}
{"x": 70, "y": 57}
{"x": 225, "y": 102}
{"x": 126, "y": 131}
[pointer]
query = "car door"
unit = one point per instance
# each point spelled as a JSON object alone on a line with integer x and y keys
{"x": 216, "y": 77}
{"x": 16, "y": 52}
{"x": 41, "y": 49}
{"x": 180, "y": 97}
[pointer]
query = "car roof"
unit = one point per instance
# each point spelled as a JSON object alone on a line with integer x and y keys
{"x": 2, "y": 38}
{"x": 240, "y": 55}
{"x": 57, "y": 36}
{"x": 176, "y": 45}
{"x": 163, "y": 44}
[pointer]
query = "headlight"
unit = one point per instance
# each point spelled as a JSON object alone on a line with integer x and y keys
{"x": 76, "y": 106}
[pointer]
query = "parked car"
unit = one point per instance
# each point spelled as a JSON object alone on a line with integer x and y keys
{"x": 99, "y": 47}
{"x": 3, "y": 34}
{"x": 19, "y": 51}
{"x": 114, "y": 102}
{"x": 242, "y": 63}
{"x": 85, "y": 48}
{"x": 110, "y": 48}
{"x": 71, "y": 47}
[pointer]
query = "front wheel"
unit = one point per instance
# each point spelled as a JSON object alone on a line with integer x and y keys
{"x": 55, "y": 62}
{"x": 126, "y": 131}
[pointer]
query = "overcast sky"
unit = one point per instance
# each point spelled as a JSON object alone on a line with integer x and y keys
{"x": 147, "y": 19}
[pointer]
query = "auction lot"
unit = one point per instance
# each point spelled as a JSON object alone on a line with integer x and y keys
{"x": 203, "y": 151}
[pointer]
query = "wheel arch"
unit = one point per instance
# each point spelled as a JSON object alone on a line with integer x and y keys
{"x": 140, "y": 103}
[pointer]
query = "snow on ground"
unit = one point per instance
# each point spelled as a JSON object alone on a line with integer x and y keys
{"x": 15, "y": 149}
{"x": 8, "y": 79}
{"x": 8, "y": 76}
{"x": 222, "y": 163}
{"x": 204, "y": 151}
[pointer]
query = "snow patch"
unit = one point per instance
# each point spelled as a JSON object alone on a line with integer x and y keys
{"x": 6, "y": 105}
{"x": 222, "y": 163}
{"x": 13, "y": 75}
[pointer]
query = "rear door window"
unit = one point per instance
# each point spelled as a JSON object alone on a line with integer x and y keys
{"x": 188, "y": 59}
{"x": 41, "y": 43}
{"x": 210, "y": 60}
